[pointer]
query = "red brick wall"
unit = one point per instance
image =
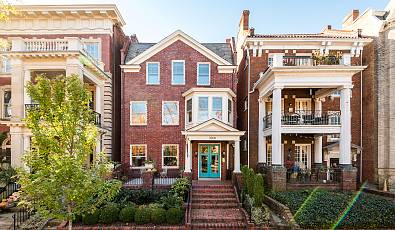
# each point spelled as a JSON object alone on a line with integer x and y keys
{"x": 135, "y": 89}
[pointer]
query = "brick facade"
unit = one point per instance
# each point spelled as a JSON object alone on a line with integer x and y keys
{"x": 154, "y": 134}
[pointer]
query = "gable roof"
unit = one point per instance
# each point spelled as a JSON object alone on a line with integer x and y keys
{"x": 220, "y": 53}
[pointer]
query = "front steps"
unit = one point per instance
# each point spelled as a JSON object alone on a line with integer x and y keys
{"x": 215, "y": 206}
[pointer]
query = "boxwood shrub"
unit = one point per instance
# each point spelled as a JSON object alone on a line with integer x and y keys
{"x": 158, "y": 215}
{"x": 323, "y": 209}
{"x": 109, "y": 213}
{"x": 142, "y": 215}
{"x": 126, "y": 215}
{"x": 139, "y": 197}
{"x": 90, "y": 218}
{"x": 174, "y": 216}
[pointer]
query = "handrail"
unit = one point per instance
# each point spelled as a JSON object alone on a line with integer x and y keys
{"x": 305, "y": 117}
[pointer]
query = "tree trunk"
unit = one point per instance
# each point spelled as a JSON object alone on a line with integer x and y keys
{"x": 70, "y": 224}
{"x": 71, "y": 217}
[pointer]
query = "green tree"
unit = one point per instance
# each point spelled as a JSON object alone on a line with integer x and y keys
{"x": 60, "y": 181}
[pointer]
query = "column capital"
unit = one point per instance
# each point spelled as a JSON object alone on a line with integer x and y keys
{"x": 346, "y": 87}
{"x": 278, "y": 87}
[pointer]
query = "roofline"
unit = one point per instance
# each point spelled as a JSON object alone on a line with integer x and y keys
{"x": 70, "y": 7}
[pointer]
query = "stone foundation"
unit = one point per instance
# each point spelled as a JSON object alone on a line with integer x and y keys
{"x": 148, "y": 179}
{"x": 276, "y": 177}
{"x": 348, "y": 178}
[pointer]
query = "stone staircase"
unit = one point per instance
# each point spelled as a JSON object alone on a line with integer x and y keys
{"x": 214, "y": 205}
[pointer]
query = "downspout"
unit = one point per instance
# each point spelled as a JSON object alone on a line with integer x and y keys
{"x": 248, "y": 106}
{"x": 360, "y": 163}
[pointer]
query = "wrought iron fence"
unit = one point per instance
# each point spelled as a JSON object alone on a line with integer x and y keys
{"x": 7, "y": 190}
{"x": 20, "y": 216}
{"x": 305, "y": 117}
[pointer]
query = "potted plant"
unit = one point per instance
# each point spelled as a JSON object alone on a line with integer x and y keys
{"x": 149, "y": 164}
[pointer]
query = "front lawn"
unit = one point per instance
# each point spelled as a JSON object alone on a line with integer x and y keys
{"x": 328, "y": 209}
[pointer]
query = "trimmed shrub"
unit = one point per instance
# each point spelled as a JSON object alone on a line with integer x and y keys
{"x": 126, "y": 215}
{"x": 258, "y": 190}
{"x": 139, "y": 197}
{"x": 90, "y": 218}
{"x": 250, "y": 182}
{"x": 142, "y": 215}
{"x": 171, "y": 201}
{"x": 260, "y": 215}
{"x": 109, "y": 213}
{"x": 248, "y": 203}
{"x": 181, "y": 187}
{"x": 158, "y": 215}
{"x": 174, "y": 216}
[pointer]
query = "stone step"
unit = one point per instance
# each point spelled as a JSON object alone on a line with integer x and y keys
{"x": 212, "y": 226}
{"x": 218, "y": 186}
{"x": 213, "y": 200}
{"x": 217, "y": 215}
{"x": 214, "y": 206}
{"x": 218, "y": 195}
{"x": 212, "y": 190}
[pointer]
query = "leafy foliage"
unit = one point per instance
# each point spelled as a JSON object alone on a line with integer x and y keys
{"x": 258, "y": 190}
{"x": 171, "y": 201}
{"x": 181, "y": 187}
{"x": 142, "y": 215}
{"x": 248, "y": 203}
{"x": 7, "y": 175}
{"x": 260, "y": 215}
{"x": 109, "y": 213}
{"x": 324, "y": 209}
{"x": 158, "y": 215}
{"x": 126, "y": 215}
{"x": 91, "y": 218}
{"x": 139, "y": 197}
{"x": 174, "y": 216}
{"x": 61, "y": 183}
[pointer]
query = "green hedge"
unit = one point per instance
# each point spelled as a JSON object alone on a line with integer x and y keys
{"x": 109, "y": 213}
{"x": 324, "y": 209}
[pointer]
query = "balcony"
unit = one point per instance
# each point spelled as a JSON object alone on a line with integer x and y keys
{"x": 311, "y": 61}
{"x": 305, "y": 118}
{"x": 96, "y": 115}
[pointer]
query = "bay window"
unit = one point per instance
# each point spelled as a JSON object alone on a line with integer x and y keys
{"x": 170, "y": 113}
{"x": 138, "y": 155}
{"x": 203, "y": 109}
{"x": 229, "y": 110}
{"x": 216, "y": 111}
{"x": 169, "y": 156}
{"x": 189, "y": 111}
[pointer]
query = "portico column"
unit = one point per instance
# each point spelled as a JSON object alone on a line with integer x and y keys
{"x": 261, "y": 137}
{"x": 237, "y": 157}
{"x": 318, "y": 150}
{"x": 345, "y": 130}
{"x": 17, "y": 89}
{"x": 276, "y": 128}
{"x": 98, "y": 99}
{"x": 17, "y": 149}
{"x": 318, "y": 107}
{"x": 188, "y": 154}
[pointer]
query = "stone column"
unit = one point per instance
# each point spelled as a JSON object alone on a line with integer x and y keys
{"x": 17, "y": 149}
{"x": 345, "y": 130}
{"x": 318, "y": 151}
{"x": 73, "y": 66}
{"x": 26, "y": 80}
{"x": 188, "y": 159}
{"x": 276, "y": 128}
{"x": 17, "y": 90}
{"x": 236, "y": 168}
{"x": 261, "y": 137}
{"x": 348, "y": 174}
{"x": 318, "y": 107}
{"x": 98, "y": 99}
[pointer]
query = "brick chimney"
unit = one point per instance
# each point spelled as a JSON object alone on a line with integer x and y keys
{"x": 350, "y": 18}
{"x": 355, "y": 14}
{"x": 133, "y": 38}
{"x": 244, "y": 20}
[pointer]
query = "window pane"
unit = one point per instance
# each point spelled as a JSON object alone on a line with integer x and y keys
{"x": 92, "y": 48}
{"x": 178, "y": 73}
{"x": 153, "y": 73}
{"x": 7, "y": 103}
{"x": 138, "y": 155}
{"x": 203, "y": 74}
{"x": 189, "y": 110}
{"x": 170, "y": 155}
{"x": 203, "y": 109}
{"x": 139, "y": 112}
{"x": 229, "y": 110}
{"x": 217, "y": 108}
{"x": 170, "y": 113}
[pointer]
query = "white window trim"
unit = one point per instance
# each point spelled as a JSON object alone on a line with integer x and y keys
{"x": 178, "y": 157}
{"x": 308, "y": 154}
{"x": 92, "y": 40}
{"x": 178, "y": 111}
{"x": 269, "y": 146}
{"x": 308, "y": 100}
{"x": 130, "y": 154}
{"x": 208, "y": 108}
{"x": 131, "y": 112}
{"x": 186, "y": 111}
{"x": 172, "y": 62}
{"x": 197, "y": 72}
{"x": 146, "y": 73}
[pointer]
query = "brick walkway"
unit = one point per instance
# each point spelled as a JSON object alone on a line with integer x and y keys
{"x": 214, "y": 206}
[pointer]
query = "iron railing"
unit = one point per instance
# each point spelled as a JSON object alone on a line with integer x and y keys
{"x": 309, "y": 61}
{"x": 7, "y": 190}
{"x": 20, "y": 216}
{"x": 313, "y": 176}
{"x": 305, "y": 117}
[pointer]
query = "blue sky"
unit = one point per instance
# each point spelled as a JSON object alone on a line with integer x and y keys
{"x": 215, "y": 20}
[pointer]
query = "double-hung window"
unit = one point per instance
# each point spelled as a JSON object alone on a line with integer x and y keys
{"x": 189, "y": 111}
{"x": 138, "y": 155}
{"x": 229, "y": 111}
{"x": 178, "y": 72}
{"x": 138, "y": 113}
{"x": 170, "y": 114}
{"x": 153, "y": 73}
{"x": 216, "y": 111}
{"x": 93, "y": 49}
{"x": 7, "y": 103}
{"x": 203, "y": 109}
{"x": 203, "y": 74}
{"x": 170, "y": 156}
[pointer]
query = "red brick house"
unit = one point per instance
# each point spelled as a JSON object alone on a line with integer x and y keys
{"x": 299, "y": 100}
{"x": 179, "y": 107}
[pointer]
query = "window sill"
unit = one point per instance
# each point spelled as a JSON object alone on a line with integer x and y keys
{"x": 170, "y": 125}
{"x": 170, "y": 167}
{"x": 138, "y": 124}
{"x": 182, "y": 84}
{"x": 152, "y": 84}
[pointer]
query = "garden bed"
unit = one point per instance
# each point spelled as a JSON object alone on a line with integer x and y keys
{"x": 325, "y": 209}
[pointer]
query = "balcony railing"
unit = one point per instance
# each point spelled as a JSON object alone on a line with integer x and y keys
{"x": 46, "y": 45}
{"x": 96, "y": 115}
{"x": 309, "y": 61}
{"x": 305, "y": 117}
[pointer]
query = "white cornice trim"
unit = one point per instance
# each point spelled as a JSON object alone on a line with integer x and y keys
{"x": 201, "y": 89}
{"x": 226, "y": 68}
{"x": 178, "y": 35}
{"x": 130, "y": 68}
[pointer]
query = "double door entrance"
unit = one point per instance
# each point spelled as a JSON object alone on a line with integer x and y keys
{"x": 209, "y": 160}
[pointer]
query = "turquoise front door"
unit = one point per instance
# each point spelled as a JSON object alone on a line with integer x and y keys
{"x": 209, "y": 160}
